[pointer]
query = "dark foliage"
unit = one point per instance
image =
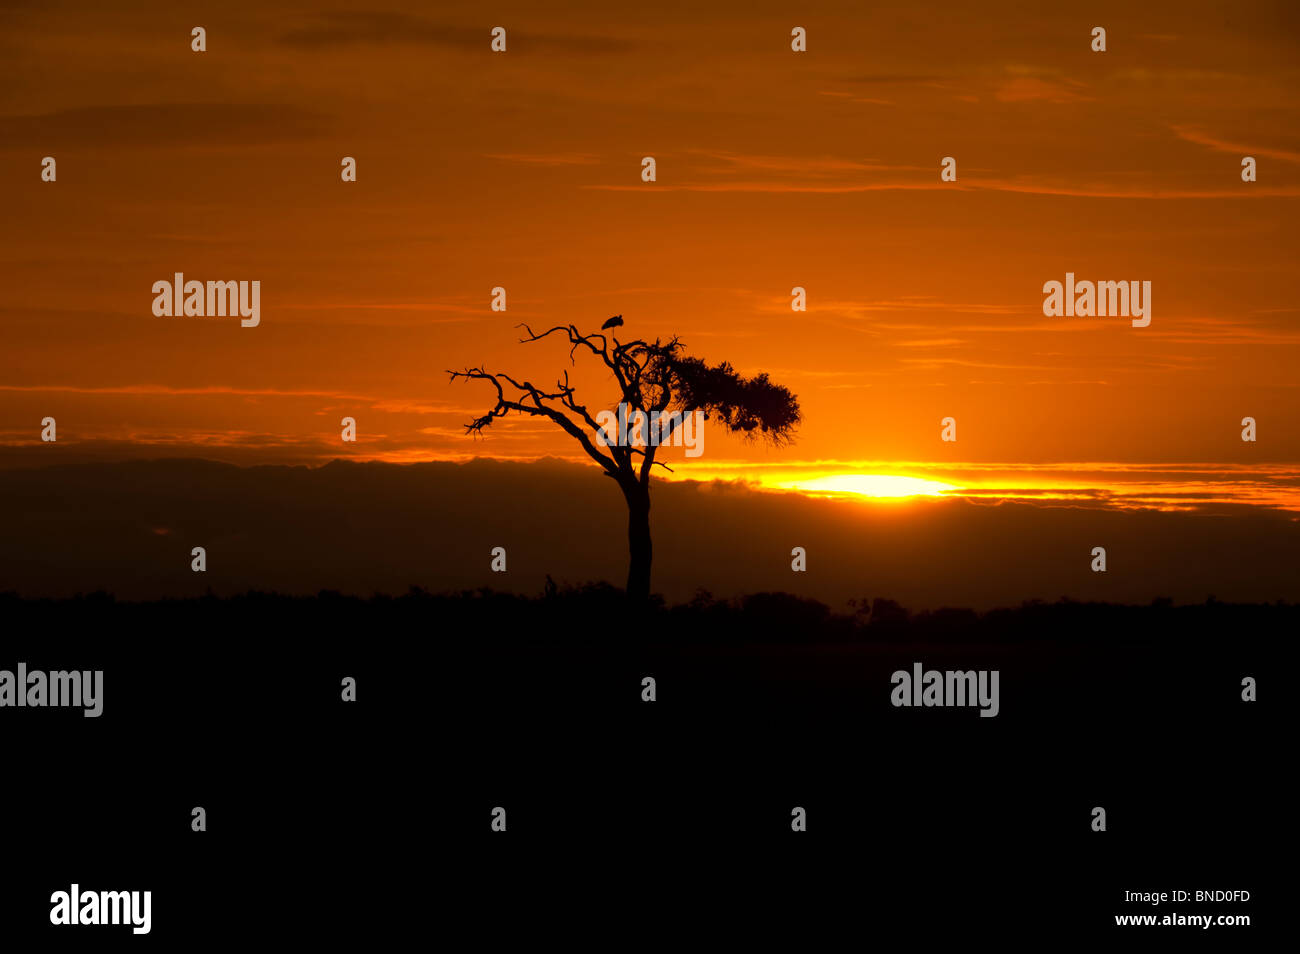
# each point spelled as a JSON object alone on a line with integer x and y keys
{"x": 582, "y": 614}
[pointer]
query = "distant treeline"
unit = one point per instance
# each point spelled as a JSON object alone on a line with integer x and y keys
{"x": 597, "y": 612}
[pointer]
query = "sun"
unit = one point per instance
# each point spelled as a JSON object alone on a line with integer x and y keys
{"x": 872, "y": 485}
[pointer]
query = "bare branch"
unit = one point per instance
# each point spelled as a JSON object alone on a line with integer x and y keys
{"x": 503, "y": 406}
{"x": 575, "y": 337}
{"x": 649, "y": 461}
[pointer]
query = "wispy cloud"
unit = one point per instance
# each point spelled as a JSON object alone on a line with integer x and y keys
{"x": 758, "y": 186}
{"x": 551, "y": 159}
{"x": 894, "y": 79}
{"x": 830, "y": 175}
{"x": 388, "y": 404}
{"x": 1201, "y": 138}
{"x": 357, "y": 28}
{"x": 1098, "y": 191}
{"x": 800, "y": 165}
{"x": 1029, "y": 89}
{"x": 184, "y": 125}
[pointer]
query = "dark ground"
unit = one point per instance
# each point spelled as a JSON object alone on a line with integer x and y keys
{"x": 328, "y": 820}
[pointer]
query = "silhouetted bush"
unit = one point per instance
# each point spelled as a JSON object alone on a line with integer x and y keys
{"x": 597, "y": 613}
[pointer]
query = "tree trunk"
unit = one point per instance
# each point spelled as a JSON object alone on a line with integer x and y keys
{"x": 638, "y": 542}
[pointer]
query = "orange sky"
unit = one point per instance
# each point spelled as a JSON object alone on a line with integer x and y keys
{"x": 775, "y": 169}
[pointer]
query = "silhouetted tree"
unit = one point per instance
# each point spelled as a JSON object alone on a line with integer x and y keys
{"x": 653, "y": 379}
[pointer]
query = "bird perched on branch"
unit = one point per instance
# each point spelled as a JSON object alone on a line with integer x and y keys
{"x": 612, "y": 323}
